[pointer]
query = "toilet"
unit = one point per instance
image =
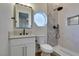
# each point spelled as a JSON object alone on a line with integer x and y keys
{"x": 45, "y": 48}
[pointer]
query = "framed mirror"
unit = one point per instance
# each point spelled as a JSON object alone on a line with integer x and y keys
{"x": 23, "y": 16}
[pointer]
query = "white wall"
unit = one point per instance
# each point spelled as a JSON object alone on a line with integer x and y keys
{"x": 69, "y": 35}
{"x": 39, "y": 7}
{"x": 34, "y": 30}
{"x": 4, "y": 18}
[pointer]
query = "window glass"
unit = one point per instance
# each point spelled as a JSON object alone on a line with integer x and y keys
{"x": 40, "y": 19}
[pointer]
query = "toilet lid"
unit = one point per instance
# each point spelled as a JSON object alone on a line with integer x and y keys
{"x": 46, "y": 48}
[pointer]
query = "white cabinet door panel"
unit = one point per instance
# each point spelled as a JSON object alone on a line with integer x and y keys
{"x": 16, "y": 51}
{"x": 31, "y": 50}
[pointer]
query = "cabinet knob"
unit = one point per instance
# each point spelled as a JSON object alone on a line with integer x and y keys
{"x": 26, "y": 33}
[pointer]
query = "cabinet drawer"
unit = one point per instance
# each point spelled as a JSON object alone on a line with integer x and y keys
{"x": 21, "y": 41}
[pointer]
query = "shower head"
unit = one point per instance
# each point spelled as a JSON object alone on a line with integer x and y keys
{"x": 58, "y": 9}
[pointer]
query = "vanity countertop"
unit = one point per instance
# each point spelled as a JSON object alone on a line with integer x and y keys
{"x": 20, "y": 36}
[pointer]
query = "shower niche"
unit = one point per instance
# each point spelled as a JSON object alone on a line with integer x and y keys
{"x": 23, "y": 16}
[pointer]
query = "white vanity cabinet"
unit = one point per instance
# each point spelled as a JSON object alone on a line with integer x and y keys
{"x": 22, "y": 46}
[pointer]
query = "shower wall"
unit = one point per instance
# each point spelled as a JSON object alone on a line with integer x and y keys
{"x": 69, "y": 38}
{"x": 52, "y": 20}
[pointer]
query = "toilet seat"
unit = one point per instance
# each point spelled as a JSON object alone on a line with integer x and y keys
{"x": 46, "y": 48}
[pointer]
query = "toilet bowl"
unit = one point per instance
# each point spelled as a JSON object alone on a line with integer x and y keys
{"x": 45, "y": 48}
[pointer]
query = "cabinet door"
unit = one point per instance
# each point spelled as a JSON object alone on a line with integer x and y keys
{"x": 31, "y": 49}
{"x": 16, "y": 51}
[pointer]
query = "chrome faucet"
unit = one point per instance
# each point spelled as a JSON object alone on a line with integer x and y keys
{"x": 24, "y": 31}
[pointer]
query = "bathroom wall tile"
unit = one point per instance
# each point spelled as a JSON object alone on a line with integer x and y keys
{"x": 52, "y": 20}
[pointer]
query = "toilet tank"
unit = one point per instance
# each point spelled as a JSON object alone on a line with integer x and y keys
{"x": 41, "y": 39}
